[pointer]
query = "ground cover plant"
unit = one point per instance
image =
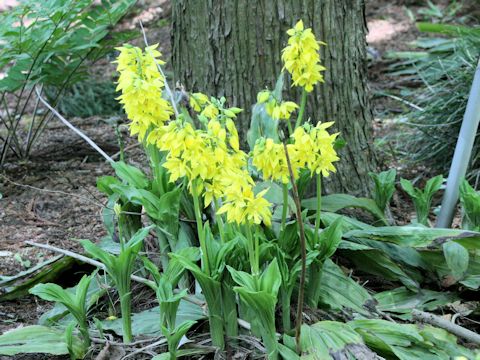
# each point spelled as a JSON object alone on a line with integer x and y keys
{"x": 442, "y": 63}
{"x": 244, "y": 255}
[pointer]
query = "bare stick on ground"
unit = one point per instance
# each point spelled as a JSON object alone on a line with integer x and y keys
{"x": 447, "y": 325}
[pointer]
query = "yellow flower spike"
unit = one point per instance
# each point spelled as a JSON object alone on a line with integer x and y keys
{"x": 141, "y": 84}
{"x": 301, "y": 58}
{"x": 314, "y": 148}
{"x": 269, "y": 158}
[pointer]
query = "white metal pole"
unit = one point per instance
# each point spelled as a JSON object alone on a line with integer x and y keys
{"x": 463, "y": 151}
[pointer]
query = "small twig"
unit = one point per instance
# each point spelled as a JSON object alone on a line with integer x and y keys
{"x": 412, "y": 105}
{"x": 52, "y": 191}
{"x": 150, "y": 346}
{"x": 105, "y": 353}
{"x": 301, "y": 290}
{"x": 129, "y": 147}
{"x": 447, "y": 325}
{"x": 133, "y": 343}
{"x": 77, "y": 131}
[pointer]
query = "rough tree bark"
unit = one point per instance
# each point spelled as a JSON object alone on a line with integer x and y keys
{"x": 233, "y": 47}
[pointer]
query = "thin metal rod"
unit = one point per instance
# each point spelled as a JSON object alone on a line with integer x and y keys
{"x": 463, "y": 152}
{"x": 167, "y": 87}
{"x": 79, "y": 133}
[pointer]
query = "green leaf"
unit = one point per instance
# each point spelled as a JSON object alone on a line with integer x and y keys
{"x": 332, "y": 340}
{"x": 48, "y": 273}
{"x": 470, "y": 200}
{"x": 37, "y": 339}
{"x": 104, "y": 184}
{"x": 340, "y": 292}
{"x": 418, "y": 236}
{"x": 131, "y": 175}
{"x": 457, "y": 258}
{"x": 377, "y": 262}
{"x": 147, "y": 322}
{"x": 384, "y": 187}
{"x": 330, "y": 239}
{"x": 261, "y": 125}
{"x": 402, "y": 301}
{"x": 422, "y": 199}
{"x": 471, "y": 281}
{"x": 336, "y": 202}
{"x": 408, "y": 341}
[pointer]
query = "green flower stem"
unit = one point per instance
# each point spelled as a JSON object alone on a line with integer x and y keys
{"x": 219, "y": 220}
{"x": 125, "y": 306}
{"x": 120, "y": 235}
{"x": 271, "y": 343}
{"x": 285, "y": 206}
{"x": 201, "y": 233}
{"x": 229, "y": 307}
{"x": 313, "y": 290}
{"x": 286, "y": 302}
{"x": 319, "y": 206}
{"x": 155, "y": 161}
{"x": 257, "y": 250}
{"x": 303, "y": 103}
{"x": 252, "y": 251}
{"x": 121, "y": 145}
{"x": 84, "y": 331}
{"x": 289, "y": 125}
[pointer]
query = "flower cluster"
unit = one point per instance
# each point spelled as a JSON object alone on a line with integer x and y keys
{"x": 312, "y": 148}
{"x": 276, "y": 109}
{"x": 301, "y": 57}
{"x": 210, "y": 109}
{"x": 243, "y": 206}
{"x": 141, "y": 84}
{"x": 269, "y": 158}
{"x": 213, "y": 163}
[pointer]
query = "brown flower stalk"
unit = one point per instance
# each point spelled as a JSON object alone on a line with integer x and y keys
{"x": 301, "y": 290}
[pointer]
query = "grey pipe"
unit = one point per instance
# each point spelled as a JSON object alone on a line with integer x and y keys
{"x": 463, "y": 151}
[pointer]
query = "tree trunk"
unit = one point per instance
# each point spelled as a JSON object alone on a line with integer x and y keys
{"x": 233, "y": 49}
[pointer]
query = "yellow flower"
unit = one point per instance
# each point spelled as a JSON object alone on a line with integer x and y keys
{"x": 269, "y": 158}
{"x": 198, "y": 101}
{"x": 280, "y": 110}
{"x": 210, "y": 158}
{"x": 141, "y": 85}
{"x": 263, "y": 96}
{"x": 210, "y": 111}
{"x": 314, "y": 148}
{"x": 301, "y": 57}
{"x": 244, "y": 207}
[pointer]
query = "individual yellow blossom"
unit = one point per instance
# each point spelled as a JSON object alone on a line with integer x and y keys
{"x": 301, "y": 57}
{"x": 263, "y": 96}
{"x": 141, "y": 84}
{"x": 198, "y": 101}
{"x": 276, "y": 109}
{"x": 210, "y": 111}
{"x": 280, "y": 110}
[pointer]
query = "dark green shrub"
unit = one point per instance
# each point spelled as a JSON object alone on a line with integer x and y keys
{"x": 48, "y": 43}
